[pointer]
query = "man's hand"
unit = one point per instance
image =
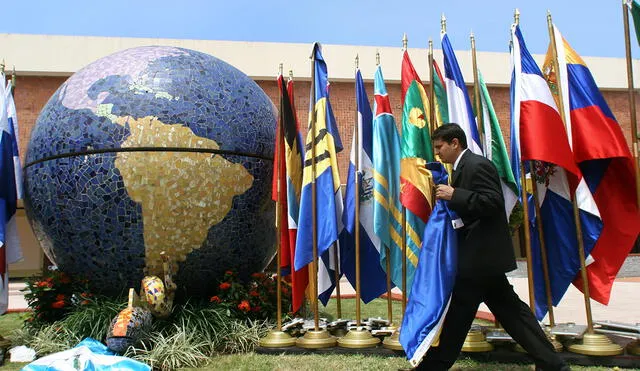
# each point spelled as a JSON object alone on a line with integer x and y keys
{"x": 444, "y": 192}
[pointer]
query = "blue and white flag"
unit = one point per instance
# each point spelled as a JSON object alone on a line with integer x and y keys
{"x": 373, "y": 280}
{"x": 89, "y": 354}
{"x": 460, "y": 110}
{"x": 434, "y": 278}
{"x": 8, "y": 197}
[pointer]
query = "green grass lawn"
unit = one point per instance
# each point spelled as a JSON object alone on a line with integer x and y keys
{"x": 253, "y": 361}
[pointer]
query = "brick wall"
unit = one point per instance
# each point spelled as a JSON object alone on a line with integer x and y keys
{"x": 33, "y": 92}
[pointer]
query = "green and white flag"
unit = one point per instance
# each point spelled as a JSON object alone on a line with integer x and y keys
{"x": 635, "y": 13}
{"x": 495, "y": 149}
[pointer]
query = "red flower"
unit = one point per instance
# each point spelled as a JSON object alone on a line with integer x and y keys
{"x": 229, "y": 273}
{"x": 215, "y": 299}
{"x": 65, "y": 279}
{"x": 254, "y": 293}
{"x": 244, "y": 306}
{"x": 224, "y": 286}
{"x": 256, "y": 308}
{"x": 258, "y": 275}
{"x": 58, "y": 304}
{"x": 43, "y": 284}
{"x": 60, "y": 297}
{"x": 84, "y": 302}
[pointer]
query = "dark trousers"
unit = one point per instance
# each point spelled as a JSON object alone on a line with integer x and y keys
{"x": 514, "y": 315}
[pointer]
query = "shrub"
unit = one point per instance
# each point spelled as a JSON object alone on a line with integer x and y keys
{"x": 53, "y": 295}
{"x": 256, "y": 299}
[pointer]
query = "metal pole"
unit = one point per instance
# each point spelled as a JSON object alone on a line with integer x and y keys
{"x": 527, "y": 238}
{"x": 476, "y": 94}
{"x": 543, "y": 249}
{"x": 356, "y": 141}
{"x": 280, "y": 136}
{"x": 314, "y": 217}
{"x": 632, "y": 98}
{"x": 576, "y": 213}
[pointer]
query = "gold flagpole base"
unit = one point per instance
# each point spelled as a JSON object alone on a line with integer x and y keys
{"x": 476, "y": 342}
{"x": 357, "y": 339}
{"x": 596, "y": 345}
{"x": 339, "y": 332}
{"x": 557, "y": 346}
{"x": 277, "y": 339}
{"x": 634, "y": 348}
{"x": 313, "y": 339}
{"x": 393, "y": 342}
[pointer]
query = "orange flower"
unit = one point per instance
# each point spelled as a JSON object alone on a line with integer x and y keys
{"x": 254, "y": 293}
{"x": 215, "y": 299}
{"x": 60, "y": 297}
{"x": 58, "y": 304}
{"x": 224, "y": 286}
{"x": 229, "y": 273}
{"x": 84, "y": 302}
{"x": 244, "y": 306}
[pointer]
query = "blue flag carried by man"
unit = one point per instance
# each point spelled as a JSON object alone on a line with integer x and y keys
{"x": 434, "y": 278}
{"x": 373, "y": 280}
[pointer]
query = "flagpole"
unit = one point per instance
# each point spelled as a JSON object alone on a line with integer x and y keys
{"x": 388, "y": 260}
{"x": 527, "y": 237}
{"x": 432, "y": 100}
{"x": 316, "y": 338}
{"x": 337, "y": 278}
{"x": 314, "y": 210}
{"x": 393, "y": 341}
{"x": 632, "y": 96}
{"x": 405, "y": 42}
{"x": 592, "y": 343}
{"x": 543, "y": 248}
{"x": 277, "y": 338}
{"x": 476, "y": 94}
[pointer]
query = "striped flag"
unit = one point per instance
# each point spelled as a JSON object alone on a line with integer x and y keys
{"x": 459, "y": 104}
{"x": 495, "y": 150}
{"x": 373, "y": 279}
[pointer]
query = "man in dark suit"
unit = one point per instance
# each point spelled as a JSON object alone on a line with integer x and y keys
{"x": 485, "y": 254}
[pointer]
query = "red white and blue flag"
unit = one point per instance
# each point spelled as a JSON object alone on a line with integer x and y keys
{"x": 601, "y": 151}
{"x": 460, "y": 110}
{"x": 538, "y": 134}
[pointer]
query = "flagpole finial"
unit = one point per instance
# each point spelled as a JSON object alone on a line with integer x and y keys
{"x": 377, "y": 57}
{"x": 443, "y": 24}
{"x": 516, "y": 16}
{"x": 473, "y": 40}
{"x": 405, "y": 41}
{"x": 291, "y": 74}
{"x": 280, "y": 69}
{"x": 430, "y": 46}
{"x": 549, "y": 21}
{"x": 357, "y": 61}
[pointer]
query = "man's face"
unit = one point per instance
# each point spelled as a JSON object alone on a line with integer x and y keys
{"x": 448, "y": 152}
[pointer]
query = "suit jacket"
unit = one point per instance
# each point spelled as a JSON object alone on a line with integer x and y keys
{"x": 484, "y": 243}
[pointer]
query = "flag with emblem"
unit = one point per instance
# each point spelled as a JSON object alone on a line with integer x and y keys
{"x": 373, "y": 279}
{"x": 601, "y": 151}
{"x": 416, "y": 184}
{"x": 387, "y": 209}
{"x": 324, "y": 142}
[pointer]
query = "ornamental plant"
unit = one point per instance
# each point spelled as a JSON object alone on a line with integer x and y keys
{"x": 254, "y": 299}
{"x": 53, "y": 295}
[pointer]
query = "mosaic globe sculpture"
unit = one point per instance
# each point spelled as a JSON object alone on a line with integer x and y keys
{"x": 154, "y": 149}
